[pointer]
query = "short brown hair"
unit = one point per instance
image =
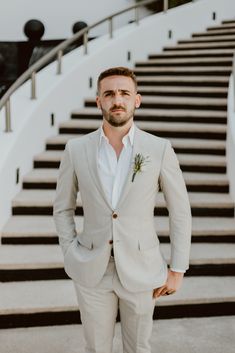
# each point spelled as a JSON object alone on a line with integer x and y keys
{"x": 119, "y": 71}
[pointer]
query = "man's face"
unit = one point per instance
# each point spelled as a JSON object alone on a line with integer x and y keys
{"x": 117, "y": 98}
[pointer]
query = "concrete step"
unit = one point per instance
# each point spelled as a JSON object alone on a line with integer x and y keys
{"x": 162, "y": 129}
{"x": 225, "y": 22}
{"x": 188, "y": 163}
{"x": 188, "y": 70}
{"x": 216, "y": 33}
{"x": 45, "y": 262}
{"x": 184, "y": 91}
{"x": 224, "y": 27}
{"x": 50, "y": 256}
{"x": 201, "y": 46}
{"x": 194, "y": 61}
{"x": 208, "y": 39}
{"x": 199, "y": 53}
{"x": 154, "y": 102}
{"x": 36, "y": 303}
{"x": 32, "y": 230}
{"x": 218, "y": 337}
{"x": 40, "y": 202}
{"x": 191, "y": 81}
{"x": 197, "y": 182}
{"x": 192, "y": 146}
{"x": 41, "y": 229}
{"x": 159, "y": 114}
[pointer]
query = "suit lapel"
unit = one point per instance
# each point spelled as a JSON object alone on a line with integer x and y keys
{"x": 92, "y": 148}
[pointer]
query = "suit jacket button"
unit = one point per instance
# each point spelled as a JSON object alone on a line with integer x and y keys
{"x": 115, "y": 215}
{"x": 110, "y": 241}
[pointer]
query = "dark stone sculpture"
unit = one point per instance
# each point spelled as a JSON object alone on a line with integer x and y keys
{"x": 34, "y": 30}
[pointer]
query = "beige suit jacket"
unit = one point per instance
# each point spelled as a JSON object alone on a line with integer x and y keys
{"x": 138, "y": 259}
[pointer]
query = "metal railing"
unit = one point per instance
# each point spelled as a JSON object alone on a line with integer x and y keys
{"x": 57, "y": 54}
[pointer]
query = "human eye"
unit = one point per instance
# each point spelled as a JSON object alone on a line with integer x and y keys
{"x": 108, "y": 94}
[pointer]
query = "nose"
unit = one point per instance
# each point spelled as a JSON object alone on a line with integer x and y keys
{"x": 117, "y": 99}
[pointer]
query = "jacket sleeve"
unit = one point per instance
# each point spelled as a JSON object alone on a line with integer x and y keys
{"x": 65, "y": 200}
{"x": 177, "y": 202}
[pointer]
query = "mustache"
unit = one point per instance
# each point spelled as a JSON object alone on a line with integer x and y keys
{"x": 114, "y": 107}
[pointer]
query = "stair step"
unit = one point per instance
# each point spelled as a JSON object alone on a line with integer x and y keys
{"x": 208, "y": 39}
{"x": 41, "y": 229}
{"x": 197, "y": 182}
{"x": 184, "y": 91}
{"x": 162, "y": 129}
{"x": 228, "y": 22}
{"x": 217, "y": 33}
{"x": 192, "y": 146}
{"x": 55, "y": 338}
{"x": 159, "y": 114}
{"x": 194, "y": 61}
{"x": 224, "y": 27}
{"x": 201, "y": 46}
{"x": 191, "y": 81}
{"x": 40, "y": 202}
{"x": 44, "y": 262}
{"x": 32, "y": 230}
{"x": 152, "y": 102}
{"x": 194, "y": 53}
{"x": 21, "y": 305}
{"x": 188, "y": 163}
{"x": 188, "y": 70}
{"x": 50, "y": 256}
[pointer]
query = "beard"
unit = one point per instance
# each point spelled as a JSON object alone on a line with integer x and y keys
{"x": 117, "y": 119}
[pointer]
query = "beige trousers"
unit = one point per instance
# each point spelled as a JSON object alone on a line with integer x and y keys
{"x": 98, "y": 307}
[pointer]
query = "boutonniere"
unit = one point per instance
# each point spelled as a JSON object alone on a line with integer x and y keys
{"x": 139, "y": 164}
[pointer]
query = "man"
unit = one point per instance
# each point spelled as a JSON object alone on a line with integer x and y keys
{"x": 115, "y": 261}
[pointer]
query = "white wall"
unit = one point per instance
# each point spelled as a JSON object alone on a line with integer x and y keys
{"x": 57, "y": 16}
{"x": 230, "y": 143}
{"x": 61, "y": 94}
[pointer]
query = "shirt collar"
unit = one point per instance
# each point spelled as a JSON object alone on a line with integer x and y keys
{"x": 129, "y": 137}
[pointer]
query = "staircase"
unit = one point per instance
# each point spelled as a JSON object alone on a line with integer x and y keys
{"x": 184, "y": 93}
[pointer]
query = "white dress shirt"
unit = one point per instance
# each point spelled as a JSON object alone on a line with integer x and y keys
{"x": 112, "y": 171}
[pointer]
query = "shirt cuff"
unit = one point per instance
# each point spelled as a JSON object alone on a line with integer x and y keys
{"x": 177, "y": 270}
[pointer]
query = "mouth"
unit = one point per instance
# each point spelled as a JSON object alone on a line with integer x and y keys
{"x": 117, "y": 110}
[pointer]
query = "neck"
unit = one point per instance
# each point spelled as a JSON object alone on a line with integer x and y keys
{"x": 115, "y": 134}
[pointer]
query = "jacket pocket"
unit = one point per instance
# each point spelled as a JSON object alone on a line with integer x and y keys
{"x": 148, "y": 243}
{"x": 85, "y": 241}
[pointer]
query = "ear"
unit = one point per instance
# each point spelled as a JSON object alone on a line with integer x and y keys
{"x": 98, "y": 101}
{"x": 137, "y": 100}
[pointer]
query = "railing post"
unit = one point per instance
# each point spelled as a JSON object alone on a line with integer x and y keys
{"x": 59, "y": 62}
{"x": 110, "y": 27}
{"x": 85, "y": 41}
{"x": 137, "y": 15}
{"x": 8, "y": 116}
{"x": 165, "y": 5}
{"x": 33, "y": 85}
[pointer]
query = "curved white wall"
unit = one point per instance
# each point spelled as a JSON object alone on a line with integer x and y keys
{"x": 61, "y": 94}
{"x": 57, "y": 16}
{"x": 230, "y": 143}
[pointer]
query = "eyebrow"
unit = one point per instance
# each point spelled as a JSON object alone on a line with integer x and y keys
{"x": 120, "y": 90}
